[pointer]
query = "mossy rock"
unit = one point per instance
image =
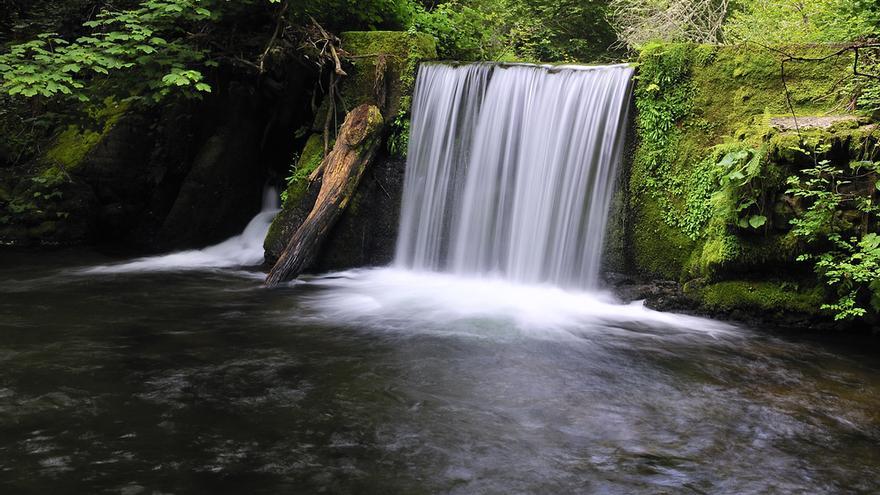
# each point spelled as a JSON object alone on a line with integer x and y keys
{"x": 72, "y": 146}
{"x": 298, "y": 198}
{"x": 657, "y": 248}
{"x": 697, "y": 103}
{"x": 760, "y": 296}
{"x": 75, "y": 142}
{"x": 400, "y": 51}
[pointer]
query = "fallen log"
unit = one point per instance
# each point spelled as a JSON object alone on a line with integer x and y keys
{"x": 356, "y": 146}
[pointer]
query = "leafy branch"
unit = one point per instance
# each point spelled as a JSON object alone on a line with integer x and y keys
{"x": 152, "y": 39}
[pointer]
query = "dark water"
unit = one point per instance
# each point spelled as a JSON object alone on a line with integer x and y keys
{"x": 202, "y": 382}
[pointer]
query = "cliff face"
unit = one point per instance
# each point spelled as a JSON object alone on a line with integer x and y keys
{"x": 184, "y": 174}
{"x": 708, "y": 200}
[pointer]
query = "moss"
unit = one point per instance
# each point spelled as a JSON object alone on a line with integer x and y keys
{"x": 72, "y": 146}
{"x": 402, "y": 51}
{"x": 695, "y": 105}
{"x": 74, "y": 143}
{"x": 309, "y": 160}
{"x": 658, "y": 248}
{"x": 777, "y": 297}
{"x": 719, "y": 249}
{"x": 742, "y": 84}
{"x": 311, "y": 156}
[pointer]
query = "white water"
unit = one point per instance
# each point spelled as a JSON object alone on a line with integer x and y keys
{"x": 509, "y": 176}
{"x": 408, "y": 300}
{"x": 245, "y": 249}
{"x": 510, "y": 173}
{"x": 511, "y": 170}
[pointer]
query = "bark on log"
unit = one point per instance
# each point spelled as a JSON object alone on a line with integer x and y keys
{"x": 359, "y": 140}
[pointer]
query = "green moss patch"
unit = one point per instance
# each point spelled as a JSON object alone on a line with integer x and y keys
{"x": 75, "y": 142}
{"x": 760, "y": 296}
{"x": 72, "y": 146}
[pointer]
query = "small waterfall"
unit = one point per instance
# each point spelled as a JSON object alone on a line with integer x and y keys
{"x": 511, "y": 170}
{"x": 245, "y": 249}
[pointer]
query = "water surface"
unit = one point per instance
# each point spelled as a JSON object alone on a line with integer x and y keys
{"x": 393, "y": 382}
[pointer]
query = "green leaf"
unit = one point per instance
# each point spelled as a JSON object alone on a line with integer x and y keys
{"x": 871, "y": 241}
{"x": 733, "y": 158}
{"x": 757, "y": 221}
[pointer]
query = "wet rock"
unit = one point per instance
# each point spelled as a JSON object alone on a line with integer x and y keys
{"x": 222, "y": 190}
{"x": 661, "y": 295}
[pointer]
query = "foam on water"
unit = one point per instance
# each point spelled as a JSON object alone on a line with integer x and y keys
{"x": 245, "y": 249}
{"x": 509, "y": 178}
{"x": 389, "y": 297}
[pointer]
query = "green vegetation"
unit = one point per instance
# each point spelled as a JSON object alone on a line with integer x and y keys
{"x": 715, "y": 155}
{"x": 150, "y": 40}
{"x": 840, "y": 215}
{"x": 768, "y": 22}
{"x": 308, "y": 162}
{"x": 777, "y": 297}
{"x": 731, "y": 179}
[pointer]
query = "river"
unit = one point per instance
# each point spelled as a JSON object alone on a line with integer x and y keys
{"x": 378, "y": 381}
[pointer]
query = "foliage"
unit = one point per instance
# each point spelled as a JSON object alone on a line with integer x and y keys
{"x": 560, "y": 30}
{"x": 848, "y": 257}
{"x": 342, "y": 15}
{"x": 741, "y": 174}
{"x": 398, "y": 139}
{"x": 768, "y": 22}
{"x": 780, "y": 22}
{"x": 664, "y": 97}
{"x": 462, "y": 31}
{"x": 535, "y": 30}
{"x": 151, "y": 39}
{"x": 302, "y": 166}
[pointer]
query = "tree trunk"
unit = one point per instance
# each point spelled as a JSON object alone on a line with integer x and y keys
{"x": 357, "y": 144}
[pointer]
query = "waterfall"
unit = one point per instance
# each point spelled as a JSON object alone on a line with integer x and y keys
{"x": 511, "y": 170}
{"x": 245, "y": 249}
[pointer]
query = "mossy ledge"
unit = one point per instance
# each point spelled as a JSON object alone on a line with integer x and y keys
{"x": 706, "y": 114}
{"x": 45, "y": 202}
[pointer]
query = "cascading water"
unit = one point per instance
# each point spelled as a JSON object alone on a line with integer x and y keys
{"x": 245, "y": 249}
{"x": 509, "y": 177}
{"x": 511, "y": 170}
{"x": 510, "y": 174}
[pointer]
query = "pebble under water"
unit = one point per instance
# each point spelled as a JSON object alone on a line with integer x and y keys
{"x": 379, "y": 381}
